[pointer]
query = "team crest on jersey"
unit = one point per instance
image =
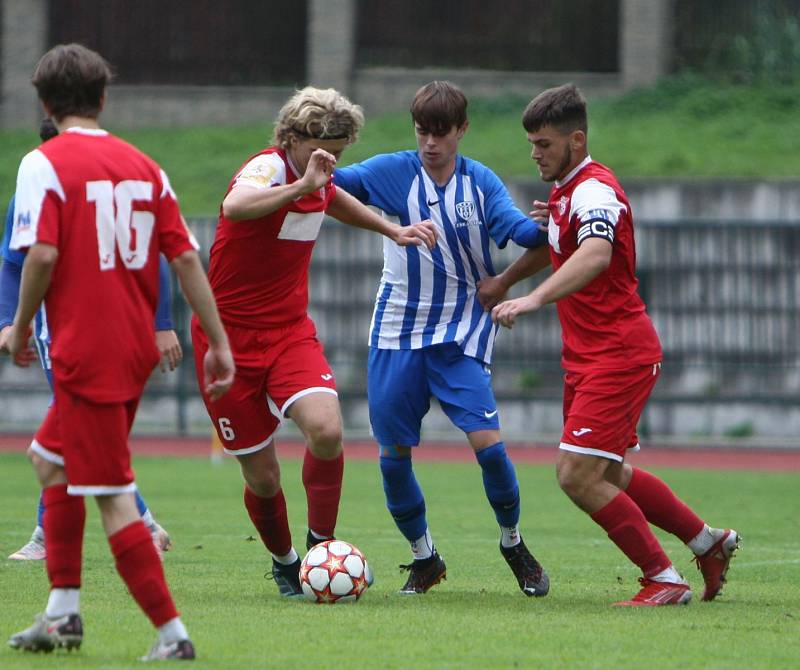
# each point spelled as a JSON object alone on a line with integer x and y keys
{"x": 562, "y": 204}
{"x": 465, "y": 209}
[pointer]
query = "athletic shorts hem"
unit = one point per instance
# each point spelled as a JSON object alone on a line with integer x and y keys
{"x": 634, "y": 448}
{"x": 250, "y": 450}
{"x": 564, "y": 446}
{"x": 305, "y": 392}
{"x": 43, "y": 452}
{"x": 100, "y": 490}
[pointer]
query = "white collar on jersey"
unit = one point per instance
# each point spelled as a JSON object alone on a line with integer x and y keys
{"x": 97, "y": 132}
{"x": 575, "y": 171}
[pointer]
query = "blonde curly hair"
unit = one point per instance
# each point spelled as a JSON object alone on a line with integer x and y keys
{"x": 323, "y": 114}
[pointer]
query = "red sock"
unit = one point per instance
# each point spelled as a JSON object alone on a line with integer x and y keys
{"x": 662, "y": 507}
{"x": 64, "y": 519}
{"x": 141, "y": 570}
{"x": 628, "y": 529}
{"x": 323, "y": 482}
{"x": 269, "y": 517}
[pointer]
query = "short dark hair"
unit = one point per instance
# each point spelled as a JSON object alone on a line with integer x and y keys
{"x": 47, "y": 130}
{"x": 71, "y": 80}
{"x": 563, "y": 107}
{"x": 438, "y": 106}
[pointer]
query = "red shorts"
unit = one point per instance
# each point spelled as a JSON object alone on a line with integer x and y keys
{"x": 273, "y": 369}
{"x": 90, "y": 440}
{"x": 601, "y": 410}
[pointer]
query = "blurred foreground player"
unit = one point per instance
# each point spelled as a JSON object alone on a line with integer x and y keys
{"x": 94, "y": 213}
{"x": 166, "y": 340}
{"x": 611, "y": 354}
{"x": 268, "y": 225}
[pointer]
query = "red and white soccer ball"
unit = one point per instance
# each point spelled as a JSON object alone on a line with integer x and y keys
{"x": 334, "y": 572}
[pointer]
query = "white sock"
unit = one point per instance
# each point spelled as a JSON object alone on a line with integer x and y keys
{"x": 287, "y": 559}
{"x": 669, "y": 575}
{"x": 172, "y": 631}
{"x": 317, "y": 536}
{"x": 148, "y": 519}
{"x": 704, "y": 540}
{"x": 422, "y": 547}
{"x": 38, "y": 535}
{"x": 62, "y": 602}
{"x": 509, "y": 536}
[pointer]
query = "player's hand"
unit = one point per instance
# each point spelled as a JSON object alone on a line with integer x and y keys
{"x": 5, "y": 331}
{"x": 318, "y": 171}
{"x": 169, "y": 348}
{"x": 506, "y": 313}
{"x": 423, "y": 232}
{"x": 219, "y": 369}
{"x": 22, "y": 354}
{"x": 540, "y": 213}
{"x": 491, "y": 290}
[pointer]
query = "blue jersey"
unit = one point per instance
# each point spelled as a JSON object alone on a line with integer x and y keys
{"x": 10, "y": 276}
{"x": 427, "y": 297}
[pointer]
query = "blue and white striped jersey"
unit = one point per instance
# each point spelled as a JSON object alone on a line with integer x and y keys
{"x": 427, "y": 296}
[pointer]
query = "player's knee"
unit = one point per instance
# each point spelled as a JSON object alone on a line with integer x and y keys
{"x": 325, "y": 439}
{"x": 571, "y": 479}
{"x": 265, "y": 484}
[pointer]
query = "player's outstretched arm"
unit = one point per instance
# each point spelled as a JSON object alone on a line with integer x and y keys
{"x": 218, "y": 363}
{"x": 347, "y": 209}
{"x": 591, "y": 258}
{"x": 37, "y": 271}
{"x": 245, "y": 202}
{"x": 492, "y": 290}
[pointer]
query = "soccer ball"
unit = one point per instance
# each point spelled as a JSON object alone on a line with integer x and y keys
{"x": 334, "y": 572}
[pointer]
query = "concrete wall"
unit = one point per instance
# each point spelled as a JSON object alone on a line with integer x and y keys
{"x": 708, "y": 199}
{"x": 645, "y": 55}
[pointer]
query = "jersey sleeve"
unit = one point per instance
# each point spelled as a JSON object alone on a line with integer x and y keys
{"x": 378, "y": 181}
{"x": 38, "y": 201}
{"x": 164, "y": 306}
{"x": 174, "y": 236}
{"x": 596, "y": 209}
{"x": 262, "y": 172}
{"x": 504, "y": 219}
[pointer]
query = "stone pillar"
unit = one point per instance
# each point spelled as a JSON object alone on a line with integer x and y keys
{"x": 24, "y": 40}
{"x": 645, "y": 40}
{"x": 331, "y": 43}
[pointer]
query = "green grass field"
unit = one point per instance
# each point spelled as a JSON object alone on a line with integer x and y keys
{"x": 682, "y": 127}
{"x": 475, "y": 619}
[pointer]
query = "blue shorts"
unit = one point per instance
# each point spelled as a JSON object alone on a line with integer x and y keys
{"x": 400, "y": 383}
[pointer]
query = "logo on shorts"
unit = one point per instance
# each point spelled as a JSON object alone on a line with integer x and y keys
{"x": 489, "y": 415}
{"x": 327, "y": 377}
{"x": 582, "y": 431}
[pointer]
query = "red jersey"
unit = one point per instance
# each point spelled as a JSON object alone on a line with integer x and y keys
{"x": 604, "y": 325}
{"x": 259, "y": 267}
{"x": 109, "y": 210}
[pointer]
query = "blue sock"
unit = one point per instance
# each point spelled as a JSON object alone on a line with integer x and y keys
{"x": 141, "y": 505}
{"x": 40, "y": 513}
{"x": 404, "y": 497}
{"x": 500, "y": 483}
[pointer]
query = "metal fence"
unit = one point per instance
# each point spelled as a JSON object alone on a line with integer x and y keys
{"x": 723, "y": 297}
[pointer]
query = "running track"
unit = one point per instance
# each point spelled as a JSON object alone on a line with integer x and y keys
{"x": 704, "y": 458}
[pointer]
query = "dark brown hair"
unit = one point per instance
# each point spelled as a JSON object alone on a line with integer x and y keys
{"x": 438, "y": 106}
{"x": 563, "y": 107}
{"x": 71, "y": 80}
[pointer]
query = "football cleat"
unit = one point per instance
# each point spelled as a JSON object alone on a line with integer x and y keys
{"x": 33, "y": 550}
{"x": 531, "y": 577}
{"x": 183, "y": 650}
{"x": 287, "y": 578}
{"x": 424, "y": 574}
{"x": 714, "y": 564}
{"x": 654, "y": 594}
{"x": 312, "y": 541}
{"x": 48, "y": 634}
